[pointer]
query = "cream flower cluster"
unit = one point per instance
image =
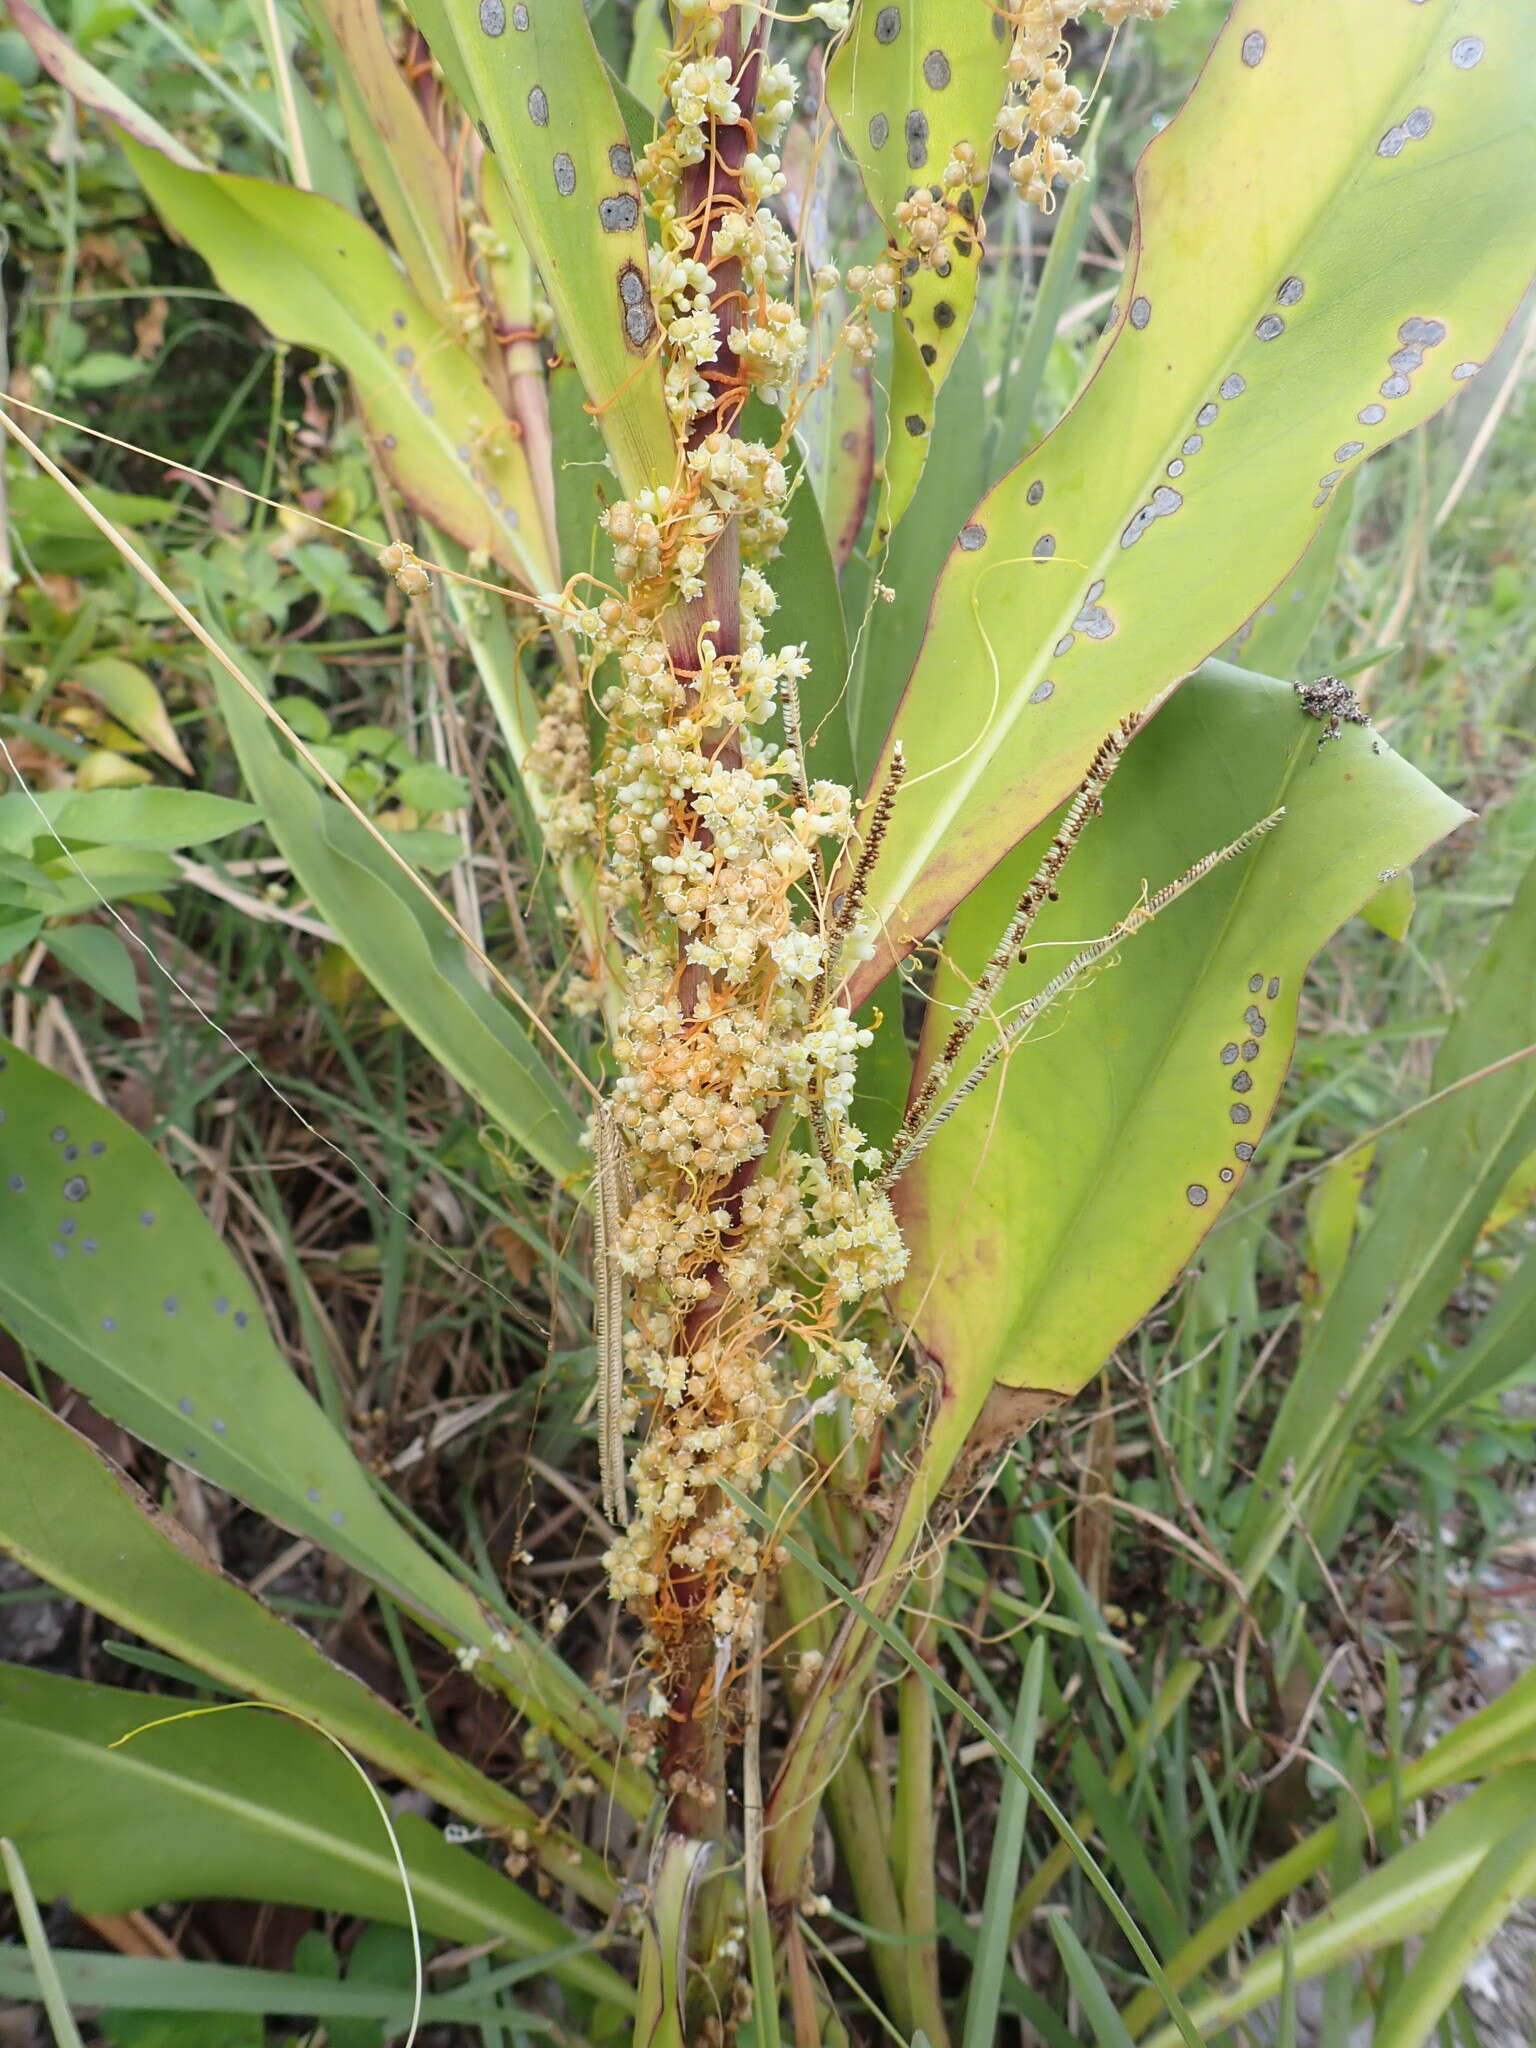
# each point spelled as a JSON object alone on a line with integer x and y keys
{"x": 766, "y": 334}
{"x": 741, "y": 1268}
{"x": 1043, "y": 110}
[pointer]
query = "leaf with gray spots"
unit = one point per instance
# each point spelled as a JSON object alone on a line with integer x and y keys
{"x": 1387, "y": 288}
{"x": 907, "y": 84}
{"x": 1112, "y": 1140}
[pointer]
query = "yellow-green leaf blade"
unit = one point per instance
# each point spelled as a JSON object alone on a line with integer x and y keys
{"x": 1121, "y": 1128}
{"x": 1319, "y": 265}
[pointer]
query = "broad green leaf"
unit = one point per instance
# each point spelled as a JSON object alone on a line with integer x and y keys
{"x": 314, "y": 274}
{"x": 1126, "y": 1120}
{"x": 102, "y": 962}
{"x": 1332, "y": 1215}
{"x": 237, "y": 1806}
{"x": 400, "y": 158}
{"x": 110, "y": 1272}
{"x": 1275, "y": 638}
{"x": 1441, "y": 1175}
{"x": 415, "y": 961}
{"x": 907, "y": 85}
{"x": 528, "y": 72}
{"x": 1405, "y": 1897}
{"x": 64, "y": 62}
{"x": 1285, "y": 314}
{"x": 154, "y": 819}
{"x": 122, "y": 688}
{"x": 72, "y": 1517}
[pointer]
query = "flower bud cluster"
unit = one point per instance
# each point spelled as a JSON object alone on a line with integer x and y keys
{"x": 1043, "y": 110}
{"x": 739, "y": 1267}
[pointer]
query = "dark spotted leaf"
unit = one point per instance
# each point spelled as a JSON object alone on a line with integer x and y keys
{"x": 529, "y": 73}
{"x": 1123, "y": 1125}
{"x": 909, "y": 83}
{"x": 1278, "y": 325}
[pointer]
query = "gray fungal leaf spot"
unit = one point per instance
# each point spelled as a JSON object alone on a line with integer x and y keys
{"x": 1065, "y": 644}
{"x": 185, "y": 1405}
{"x": 1242, "y": 1081}
{"x": 619, "y": 214}
{"x": 1193, "y": 444}
{"x": 1165, "y": 501}
{"x": 1044, "y": 547}
{"x": 1243, "y": 1152}
{"x": 1348, "y": 450}
{"x": 1228, "y": 1053}
{"x": 1274, "y": 987}
{"x": 1467, "y": 51}
{"x": 538, "y": 107}
{"x": 887, "y": 24}
{"x": 1041, "y": 691}
{"x": 398, "y": 317}
{"x": 109, "y": 1322}
{"x": 389, "y": 444}
{"x": 520, "y": 19}
{"x": 485, "y": 137}
{"x": 1035, "y": 492}
{"x": 936, "y": 70}
{"x": 147, "y": 1218}
{"x": 1290, "y": 291}
{"x": 620, "y": 161}
{"x": 1270, "y": 328}
{"x": 915, "y": 128}
{"x": 1141, "y": 311}
{"x": 1226, "y": 1176}
{"x": 1240, "y": 1113}
{"x": 1253, "y": 1016}
{"x": 1206, "y": 416}
{"x": 1328, "y": 479}
{"x": 973, "y": 536}
{"x": 58, "y": 1135}
{"x": 1196, "y": 1195}
{"x": 1250, "y": 1048}
{"x": 1394, "y": 142}
{"x": 1176, "y": 467}
{"x": 17, "y": 1184}
{"x": 337, "y": 1518}
{"x": 1371, "y": 415}
{"x": 241, "y": 1319}
{"x": 1419, "y": 123}
{"x": 915, "y": 424}
{"x": 565, "y": 174}
{"x": 1417, "y": 329}
{"x": 219, "y": 1426}
{"x": 1234, "y": 386}
{"x": 405, "y": 356}
{"x": 1395, "y": 386}
{"x": 60, "y": 1251}
{"x": 637, "y": 325}
{"x": 171, "y": 1305}
{"x": 89, "y": 1246}
{"x": 76, "y": 1188}
{"x": 1255, "y": 983}
{"x": 71, "y": 1152}
{"x": 879, "y": 131}
{"x": 1463, "y": 371}
{"x": 312, "y": 1493}
{"x": 1408, "y": 358}
{"x": 96, "y": 1147}
{"x": 1093, "y": 619}
{"x": 493, "y": 17}
{"x": 1254, "y": 46}
{"x": 631, "y": 285}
